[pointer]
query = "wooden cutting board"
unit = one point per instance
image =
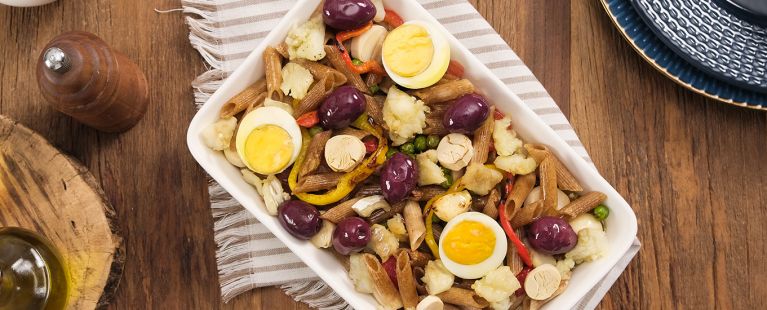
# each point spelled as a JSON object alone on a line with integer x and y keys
{"x": 46, "y": 191}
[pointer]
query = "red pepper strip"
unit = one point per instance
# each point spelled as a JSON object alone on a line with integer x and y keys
{"x": 455, "y": 68}
{"x": 521, "y": 248}
{"x": 308, "y": 120}
{"x": 521, "y": 276}
{"x": 497, "y": 115}
{"x": 393, "y": 19}
{"x": 371, "y": 144}
{"x": 369, "y": 66}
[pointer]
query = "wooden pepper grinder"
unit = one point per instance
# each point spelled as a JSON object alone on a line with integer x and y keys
{"x": 81, "y": 76}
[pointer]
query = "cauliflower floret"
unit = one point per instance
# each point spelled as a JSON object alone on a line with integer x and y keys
{"x": 382, "y": 241}
{"x": 539, "y": 258}
{"x": 404, "y": 115}
{"x": 396, "y": 225}
{"x": 296, "y": 80}
{"x": 592, "y": 244}
{"x": 504, "y": 304}
{"x": 308, "y": 40}
{"x": 437, "y": 278}
{"x": 428, "y": 171}
{"x": 497, "y": 285}
{"x": 358, "y": 273}
{"x": 565, "y": 266}
{"x": 268, "y": 102}
{"x": 324, "y": 237}
{"x": 218, "y": 135}
{"x": 505, "y": 140}
{"x": 516, "y": 164}
{"x": 480, "y": 179}
{"x": 270, "y": 190}
{"x": 450, "y": 205}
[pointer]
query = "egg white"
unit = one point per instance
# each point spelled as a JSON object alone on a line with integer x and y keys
{"x": 268, "y": 116}
{"x": 481, "y": 269}
{"x": 436, "y": 69}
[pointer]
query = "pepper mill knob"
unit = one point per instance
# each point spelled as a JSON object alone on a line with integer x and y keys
{"x": 81, "y": 76}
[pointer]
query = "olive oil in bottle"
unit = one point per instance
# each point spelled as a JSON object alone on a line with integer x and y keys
{"x": 32, "y": 275}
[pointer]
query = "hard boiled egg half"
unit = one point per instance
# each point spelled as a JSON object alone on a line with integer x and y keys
{"x": 268, "y": 140}
{"x": 416, "y": 54}
{"x": 472, "y": 245}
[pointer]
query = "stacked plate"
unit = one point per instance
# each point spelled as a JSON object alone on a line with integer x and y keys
{"x": 717, "y": 48}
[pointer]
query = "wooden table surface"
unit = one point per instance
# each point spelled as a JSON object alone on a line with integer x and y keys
{"x": 694, "y": 170}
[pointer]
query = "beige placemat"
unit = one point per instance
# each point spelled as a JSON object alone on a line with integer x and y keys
{"x": 248, "y": 256}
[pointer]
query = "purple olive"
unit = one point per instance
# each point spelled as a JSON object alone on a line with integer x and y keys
{"x": 347, "y": 14}
{"x": 466, "y": 114}
{"x": 300, "y": 219}
{"x": 351, "y": 235}
{"x": 551, "y": 235}
{"x": 341, "y": 108}
{"x": 398, "y": 177}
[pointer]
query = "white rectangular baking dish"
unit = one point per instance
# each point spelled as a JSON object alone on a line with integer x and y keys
{"x": 621, "y": 225}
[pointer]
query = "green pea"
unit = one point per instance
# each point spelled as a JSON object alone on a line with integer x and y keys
{"x": 315, "y": 130}
{"x": 601, "y": 212}
{"x": 407, "y": 148}
{"x": 390, "y": 152}
{"x": 432, "y": 141}
{"x": 374, "y": 89}
{"x": 420, "y": 143}
{"x": 449, "y": 177}
{"x": 357, "y": 62}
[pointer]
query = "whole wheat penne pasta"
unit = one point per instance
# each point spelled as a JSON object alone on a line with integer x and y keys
{"x": 418, "y": 258}
{"x": 491, "y": 205}
{"x": 374, "y": 108}
{"x": 314, "y": 153}
{"x": 334, "y": 56}
{"x": 513, "y": 260}
{"x": 445, "y": 91}
{"x": 383, "y": 291}
{"x": 368, "y": 189}
{"x": 537, "y": 151}
{"x": 583, "y": 204}
{"x": 406, "y": 281}
{"x": 320, "y": 71}
{"x": 450, "y": 307}
{"x": 416, "y": 229}
{"x": 243, "y": 100}
{"x": 516, "y": 301}
{"x": 317, "y": 93}
{"x": 424, "y": 193}
{"x": 548, "y": 176}
{"x": 317, "y": 182}
{"x": 434, "y": 124}
{"x": 273, "y": 73}
{"x": 462, "y": 297}
{"x": 565, "y": 180}
{"x": 382, "y": 215}
{"x": 527, "y": 214}
{"x": 359, "y": 134}
{"x": 483, "y": 137}
{"x": 340, "y": 211}
{"x": 522, "y": 187}
{"x": 538, "y": 304}
{"x": 257, "y": 103}
{"x": 372, "y": 79}
{"x": 282, "y": 49}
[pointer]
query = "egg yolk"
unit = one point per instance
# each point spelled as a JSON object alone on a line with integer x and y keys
{"x": 408, "y": 50}
{"x": 268, "y": 149}
{"x": 469, "y": 243}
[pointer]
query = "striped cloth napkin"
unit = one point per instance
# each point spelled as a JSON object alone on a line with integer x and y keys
{"x": 248, "y": 256}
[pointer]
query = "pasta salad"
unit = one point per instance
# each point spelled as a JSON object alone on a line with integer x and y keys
{"x": 364, "y": 138}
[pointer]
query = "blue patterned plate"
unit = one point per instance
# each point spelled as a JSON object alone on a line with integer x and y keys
{"x": 712, "y": 38}
{"x": 665, "y": 60}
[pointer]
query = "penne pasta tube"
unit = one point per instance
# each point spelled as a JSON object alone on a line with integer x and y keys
{"x": 273, "y": 73}
{"x": 537, "y": 152}
{"x": 333, "y": 55}
{"x": 418, "y": 258}
{"x": 314, "y": 153}
{"x": 359, "y": 134}
{"x": 538, "y": 304}
{"x": 434, "y": 125}
{"x": 368, "y": 189}
{"x": 374, "y": 108}
{"x": 372, "y": 79}
{"x": 317, "y": 182}
{"x": 243, "y": 100}
{"x": 483, "y": 137}
{"x": 491, "y": 205}
{"x": 383, "y": 290}
{"x": 463, "y": 297}
{"x": 424, "y": 193}
{"x": 383, "y": 215}
{"x": 416, "y": 229}
{"x": 522, "y": 187}
{"x": 513, "y": 260}
{"x": 406, "y": 281}
{"x": 549, "y": 192}
{"x": 583, "y": 204}
{"x": 282, "y": 49}
{"x": 340, "y": 211}
{"x": 565, "y": 180}
{"x": 258, "y": 102}
{"x": 450, "y": 307}
{"x": 445, "y": 92}
{"x": 527, "y": 214}
{"x": 320, "y": 71}
{"x": 317, "y": 93}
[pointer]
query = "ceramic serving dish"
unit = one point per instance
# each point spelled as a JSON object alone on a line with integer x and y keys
{"x": 621, "y": 225}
